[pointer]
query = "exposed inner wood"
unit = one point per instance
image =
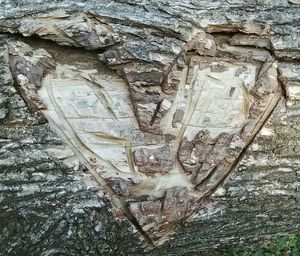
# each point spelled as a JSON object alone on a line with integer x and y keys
{"x": 158, "y": 144}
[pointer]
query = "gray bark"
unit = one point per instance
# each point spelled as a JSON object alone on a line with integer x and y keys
{"x": 230, "y": 179}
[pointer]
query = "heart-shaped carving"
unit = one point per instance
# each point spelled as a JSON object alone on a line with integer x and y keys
{"x": 161, "y": 140}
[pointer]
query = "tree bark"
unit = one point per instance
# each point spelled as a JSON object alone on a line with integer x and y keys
{"x": 148, "y": 127}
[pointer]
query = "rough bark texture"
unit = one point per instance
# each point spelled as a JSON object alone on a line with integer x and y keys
{"x": 148, "y": 127}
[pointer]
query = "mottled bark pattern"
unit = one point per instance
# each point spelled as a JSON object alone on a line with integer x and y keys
{"x": 128, "y": 132}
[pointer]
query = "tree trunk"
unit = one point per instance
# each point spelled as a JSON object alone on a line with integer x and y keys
{"x": 148, "y": 127}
